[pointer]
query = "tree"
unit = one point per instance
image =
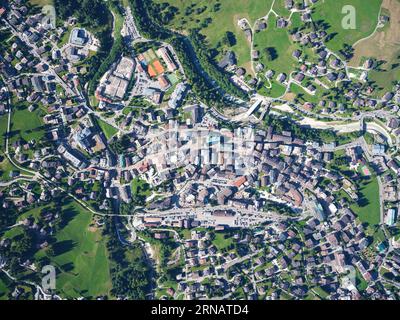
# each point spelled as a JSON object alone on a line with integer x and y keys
{"x": 270, "y": 53}
{"x": 229, "y": 39}
{"x": 25, "y": 244}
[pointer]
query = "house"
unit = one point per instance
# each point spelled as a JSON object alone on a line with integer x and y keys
{"x": 78, "y": 37}
{"x": 378, "y": 150}
{"x": 296, "y": 54}
{"x": 391, "y": 217}
{"x": 281, "y": 77}
{"x": 255, "y": 54}
{"x": 229, "y": 59}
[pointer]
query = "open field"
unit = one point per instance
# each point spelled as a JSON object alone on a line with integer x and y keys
{"x": 5, "y": 286}
{"x": 223, "y": 18}
{"x": 26, "y": 125}
{"x": 80, "y": 253}
{"x": 140, "y": 187}
{"x": 367, "y": 208}
{"x": 221, "y": 242}
{"x": 5, "y": 168}
{"x": 384, "y": 47}
{"x": 278, "y": 40}
{"x": 107, "y": 129}
{"x": 330, "y": 12}
{"x": 3, "y": 129}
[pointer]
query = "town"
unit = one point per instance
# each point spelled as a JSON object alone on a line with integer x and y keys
{"x": 294, "y": 195}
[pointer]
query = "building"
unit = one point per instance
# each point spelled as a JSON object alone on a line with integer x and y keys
{"x": 78, "y": 37}
{"x": 391, "y": 217}
{"x": 163, "y": 52}
{"x": 71, "y": 157}
{"x": 177, "y": 96}
{"x": 125, "y": 68}
{"x": 378, "y": 150}
{"x": 164, "y": 83}
{"x": 116, "y": 87}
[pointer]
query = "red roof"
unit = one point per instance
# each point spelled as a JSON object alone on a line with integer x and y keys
{"x": 239, "y": 181}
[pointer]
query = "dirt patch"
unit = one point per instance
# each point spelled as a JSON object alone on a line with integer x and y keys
{"x": 92, "y": 229}
{"x": 290, "y": 96}
{"x": 384, "y": 44}
{"x": 249, "y": 69}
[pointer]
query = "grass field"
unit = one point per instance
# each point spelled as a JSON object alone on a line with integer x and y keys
{"x": 5, "y": 168}
{"x": 80, "y": 252}
{"x": 26, "y": 125}
{"x": 220, "y": 242}
{"x": 222, "y": 20}
{"x": 367, "y": 208}
{"x": 3, "y": 129}
{"x": 140, "y": 187}
{"x": 278, "y": 39}
{"x": 108, "y": 130}
{"x": 330, "y": 11}
{"x": 41, "y": 2}
{"x": 5, "y": 283}
{"x": 384, "y": 47}
{"x": 82, "y": 256}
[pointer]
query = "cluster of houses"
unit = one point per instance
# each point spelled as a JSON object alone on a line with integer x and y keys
{"x": 315, "y": 74}
{"x": 281, "y": 262}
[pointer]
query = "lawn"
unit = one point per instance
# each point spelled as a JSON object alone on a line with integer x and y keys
{"x": 140, "y": 187}
{"x": 361, "y": 284}
{"x": 220, "y": 242}
{"x": 108, "y": 130}
{"x": 278, "y": 40}
{"x": 3, "y": 129}
{"x": 367, "y": 208}
{"x": 6, "y": 167}
{"x": 27, "y": 125}
{"x": 276, "y": 90}
{"x": 224, "y": 17}
{"x": 385, "y": 77}
{"x": 41, "y": 2}
{"x": 384, "y": 47}
{"x": 81, "y": 255}
{"x": 330, "y": 12}
{"x": 5, "y": 284}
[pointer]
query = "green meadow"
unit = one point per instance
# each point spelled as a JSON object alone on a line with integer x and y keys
{"x": 330, "y": 12}
{"x": 224, "y": 17}
{"x": 27, "y": 125}
{"x": 273, "y": 37}
{"x": 367, "y": 208}
{"x": 108, "y": 130}
{"x": 80, "y": 254}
